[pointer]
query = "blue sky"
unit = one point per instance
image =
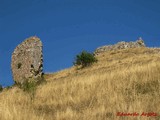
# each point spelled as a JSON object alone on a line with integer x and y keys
{"x": 66, "y": 27}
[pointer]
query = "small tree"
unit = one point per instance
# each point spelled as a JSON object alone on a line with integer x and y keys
{"x": 85, "y": 59}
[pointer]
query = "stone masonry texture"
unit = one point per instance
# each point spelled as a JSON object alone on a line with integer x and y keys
{"x": 120, "y": 45}
{"x": 27, "y": 60}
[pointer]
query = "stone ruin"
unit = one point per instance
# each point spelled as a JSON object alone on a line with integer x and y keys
{"x": 27, "y": 60}
{"x": 121, "y": 45}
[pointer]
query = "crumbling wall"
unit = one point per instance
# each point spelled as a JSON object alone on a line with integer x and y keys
{"x": 120, "y": 45}
{"x": 27, "y": 60}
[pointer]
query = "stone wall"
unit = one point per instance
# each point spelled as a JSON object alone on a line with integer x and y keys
{"x": 27, "y": 60}
{"x": 120, "y": 45}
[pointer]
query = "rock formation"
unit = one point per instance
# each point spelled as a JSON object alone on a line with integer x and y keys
{"x": 27, "y": 60}
{"x": 120, "y": 45}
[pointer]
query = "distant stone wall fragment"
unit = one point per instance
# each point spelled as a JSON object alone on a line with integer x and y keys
{"x": 121, "y": 45}
{"x": 27, "y": 60}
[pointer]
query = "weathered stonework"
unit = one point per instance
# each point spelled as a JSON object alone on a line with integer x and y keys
{"x": 120, "y": 45}
{"x": 27, "y": 60}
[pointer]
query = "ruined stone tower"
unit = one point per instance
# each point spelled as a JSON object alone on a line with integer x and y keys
{"x": 27, "y": 60}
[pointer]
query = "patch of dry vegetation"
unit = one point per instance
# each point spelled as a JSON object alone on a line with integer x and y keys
{"x": 121, "y": 81}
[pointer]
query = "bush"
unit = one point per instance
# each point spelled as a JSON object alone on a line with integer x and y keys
{"x": 85, "y": 59}
{"x": 1, "y": 88}
{"x": 8, "y": 87}
{"x": 30, "y": 85}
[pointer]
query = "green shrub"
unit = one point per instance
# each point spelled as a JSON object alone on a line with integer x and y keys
{"x": 8, "y": 87}
{"x": 85, "y": 59}
{"x": 1, "y": 88}
{"x": 30, "y": 85}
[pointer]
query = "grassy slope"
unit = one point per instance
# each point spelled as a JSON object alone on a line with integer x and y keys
{"x": 121, "y": 81}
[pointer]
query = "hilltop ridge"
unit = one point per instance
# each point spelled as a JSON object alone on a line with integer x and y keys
{"x": 123, "y": 80}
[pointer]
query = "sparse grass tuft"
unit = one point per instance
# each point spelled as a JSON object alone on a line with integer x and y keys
{"x": 149, "y": 87}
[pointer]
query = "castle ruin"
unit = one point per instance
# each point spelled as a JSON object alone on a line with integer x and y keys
{"x": 120, "y": 45}
{"x": 27, "y": 60}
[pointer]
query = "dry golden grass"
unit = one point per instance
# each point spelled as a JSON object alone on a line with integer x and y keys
{"x": 122, "y": 81}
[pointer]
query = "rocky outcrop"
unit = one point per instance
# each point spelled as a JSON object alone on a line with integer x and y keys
{"x": 120, "y": 45}
{"x": 27, "y": 60}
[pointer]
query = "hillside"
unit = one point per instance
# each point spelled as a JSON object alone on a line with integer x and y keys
{"x": 125, "y": 80}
